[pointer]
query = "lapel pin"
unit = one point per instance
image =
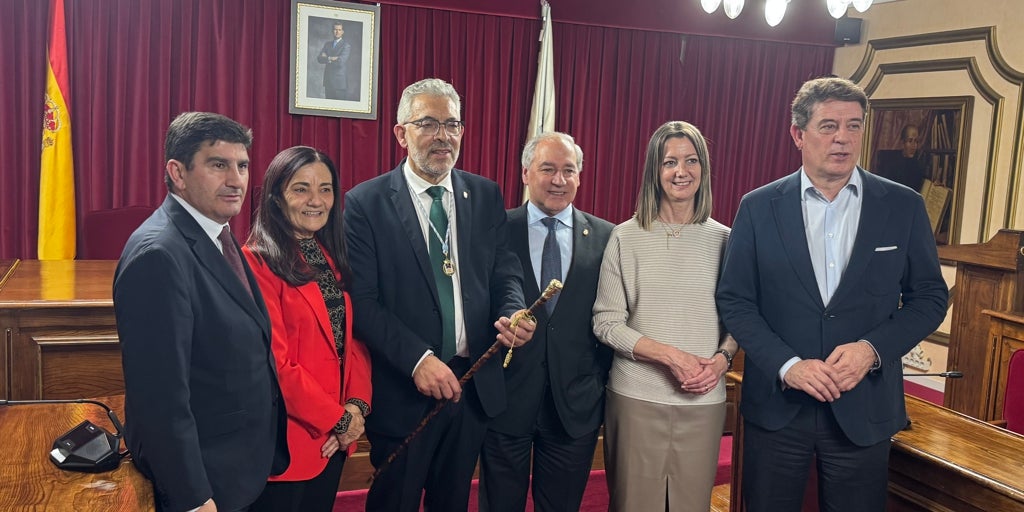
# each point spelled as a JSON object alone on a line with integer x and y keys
{"x": 586, "y": 232}
{"x": 465, "y": 195}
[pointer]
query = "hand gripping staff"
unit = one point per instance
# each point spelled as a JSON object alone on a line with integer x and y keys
{"x": 552, "y": 289}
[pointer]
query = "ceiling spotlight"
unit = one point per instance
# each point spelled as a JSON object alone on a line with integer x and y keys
{"x": 837, "y": 8}
{"x": 862, "y": 5}
{"x": 774, "y": 10}
{"x": 733, "y": 8}
{"x": 710, "y": 5}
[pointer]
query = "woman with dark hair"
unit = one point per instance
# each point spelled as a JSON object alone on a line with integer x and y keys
{"x": 655, "y": 306}
{"x": 297, "y": 253}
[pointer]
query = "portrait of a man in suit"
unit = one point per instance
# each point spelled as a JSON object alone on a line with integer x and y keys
{"x": 830, "y": 276}
{"x": 204, "y": 419}
{"x": 335, "y": 56}
{"x": 555, "y": 384}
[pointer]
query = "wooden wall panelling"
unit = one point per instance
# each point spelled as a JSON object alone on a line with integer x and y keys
{"x": 74, "y": 365}
{"x": 44, "y": 337}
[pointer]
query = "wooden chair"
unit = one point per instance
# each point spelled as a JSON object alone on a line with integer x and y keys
{"x": 1013, "y": 404}
{"x": 104, "y": 232}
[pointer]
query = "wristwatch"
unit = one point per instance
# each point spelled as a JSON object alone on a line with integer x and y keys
{"x": 728, "y": 357}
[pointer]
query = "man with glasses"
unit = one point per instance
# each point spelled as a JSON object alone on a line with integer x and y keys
{"x": 427, "y": 246}
{"x": 555, "y": 385}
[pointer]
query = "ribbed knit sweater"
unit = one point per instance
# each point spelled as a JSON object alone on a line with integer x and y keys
{"x": 656, "y": 285}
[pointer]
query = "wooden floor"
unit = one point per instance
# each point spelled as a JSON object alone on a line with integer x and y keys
{"x": 720, "y": 498}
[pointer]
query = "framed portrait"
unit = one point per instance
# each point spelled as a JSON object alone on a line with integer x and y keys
{"x": 334, "y": 61}
{"x": 922, "y": 143}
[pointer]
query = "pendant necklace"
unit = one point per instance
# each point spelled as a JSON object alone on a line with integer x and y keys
{"x": 670, "y": 232}
{"x": 446, "y": 265}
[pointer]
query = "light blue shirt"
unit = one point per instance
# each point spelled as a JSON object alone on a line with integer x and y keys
{"x": 538, "y": 232}
{"x": 831, "y": 229}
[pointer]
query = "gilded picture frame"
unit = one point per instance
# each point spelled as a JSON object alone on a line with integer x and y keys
{"x": 922, "y": 143}
{"x": 334, "y": 59}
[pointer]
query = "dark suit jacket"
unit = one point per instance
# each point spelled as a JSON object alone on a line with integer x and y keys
{"x": 768, "y": 299}
{"x": 564, "y": 350}
{"x": 203, "y": 416}
{"x": 307, "y": 362}
{"x": 335, "y": 72}
{"x": 395, "y": 300}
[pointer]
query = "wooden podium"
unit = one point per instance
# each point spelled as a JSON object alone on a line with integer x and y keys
{"x": 29, "y": 481}
{"x": 989, "y": 276}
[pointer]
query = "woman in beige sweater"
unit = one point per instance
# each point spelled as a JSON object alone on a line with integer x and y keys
{"x": 656, "y": 307}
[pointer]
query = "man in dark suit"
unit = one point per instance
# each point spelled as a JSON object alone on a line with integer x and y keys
{"x": 829, "y": 277}
{"x": 334, "y": 55}
{"x": 427, "y": 246}
{"x": 554, "y": 385}
{"x": 204, "y": 419}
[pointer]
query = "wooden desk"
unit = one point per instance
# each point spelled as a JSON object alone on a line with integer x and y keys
{"x": 946, "y": 461}
{"x": 29, "y": 481}
{"x": 60, "y": 340}
{"x": 950, "y": 461}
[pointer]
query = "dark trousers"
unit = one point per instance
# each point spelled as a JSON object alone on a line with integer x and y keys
{"x": 315, "y": 495}
{"x": 561, "y": 466}
{"x": 776, "y": 464}
{"x": 438, "y": 464}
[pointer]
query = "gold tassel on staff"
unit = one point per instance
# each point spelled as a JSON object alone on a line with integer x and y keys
{"x": 552, "y": 289}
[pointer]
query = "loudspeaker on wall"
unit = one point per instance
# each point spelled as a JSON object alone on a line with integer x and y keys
{"x": 848, "y": 30}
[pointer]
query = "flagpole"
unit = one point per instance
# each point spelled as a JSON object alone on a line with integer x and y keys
{"x": 542, "y": 113}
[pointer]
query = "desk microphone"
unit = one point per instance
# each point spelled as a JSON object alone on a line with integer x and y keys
{"x": 86, "y": 448}
{"x": 947, "y": 375}
{"x": 953, "y": 374}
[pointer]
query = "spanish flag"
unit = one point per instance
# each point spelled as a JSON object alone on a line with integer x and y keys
{"x": 56, "y": 175}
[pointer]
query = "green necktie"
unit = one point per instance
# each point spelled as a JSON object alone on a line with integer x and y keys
{"x": 445, "y": 289}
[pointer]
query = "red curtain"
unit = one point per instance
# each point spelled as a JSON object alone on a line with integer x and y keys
{"x": 617, "y": 86}
{"x": 135, "y": 64}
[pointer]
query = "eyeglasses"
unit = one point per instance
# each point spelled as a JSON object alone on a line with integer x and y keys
{"x": 432, "y": 127}
{"x": 566, "y": 173}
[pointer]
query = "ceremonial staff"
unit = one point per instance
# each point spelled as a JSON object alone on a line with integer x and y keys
{"x": 553, "y": 288}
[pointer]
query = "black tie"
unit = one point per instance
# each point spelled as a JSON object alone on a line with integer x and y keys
{"x": 227, "y": 243}
{"x": 550, "y": 261}
{"x": 439, "y": 261}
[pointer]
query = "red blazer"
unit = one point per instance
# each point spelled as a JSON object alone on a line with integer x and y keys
{"x": 307, "y": 366}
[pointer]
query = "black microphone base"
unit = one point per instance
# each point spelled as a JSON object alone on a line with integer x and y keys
{"x": 86, "y": 448}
